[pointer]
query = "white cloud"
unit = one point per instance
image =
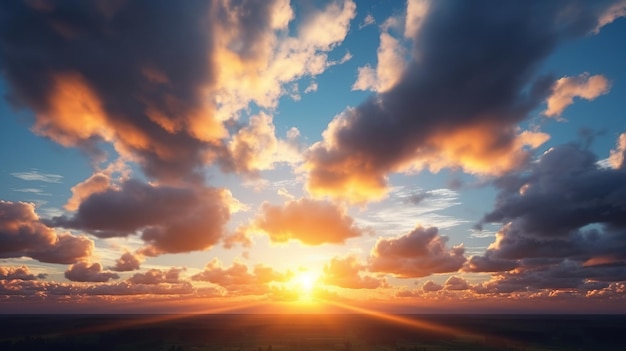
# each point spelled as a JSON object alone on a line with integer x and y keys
{"x": 367, "y": 21}
{"x": 35, "y": 175}
{"x": 415, "y": 12}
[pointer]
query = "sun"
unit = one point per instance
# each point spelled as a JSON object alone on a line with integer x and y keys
{"x": 304, "y": 282}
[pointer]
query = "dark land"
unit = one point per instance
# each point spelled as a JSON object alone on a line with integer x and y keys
{"x": 348, "y": 332}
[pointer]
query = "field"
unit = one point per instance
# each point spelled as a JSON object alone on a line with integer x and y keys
{"x": 348, "y": 332}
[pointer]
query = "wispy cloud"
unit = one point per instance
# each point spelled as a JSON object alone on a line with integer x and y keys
{"x": 32, "y": 191}
{"x": 35, "y": 175}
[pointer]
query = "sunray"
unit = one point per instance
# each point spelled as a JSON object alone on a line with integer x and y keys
{"x": 155, "y": 319}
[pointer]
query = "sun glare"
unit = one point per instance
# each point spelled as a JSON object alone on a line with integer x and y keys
{"x": 304, "y": 283}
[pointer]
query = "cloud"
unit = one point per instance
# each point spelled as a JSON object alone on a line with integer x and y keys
{"x": 564, "y": 275}
{"x": 420, "y": 253}
{"x": 444, "y": 112}
{"x": 255, "y": 147}
{"x": 456, "y": 283}
{"x": 102, "y": 76}
{"x": 19, "y": 273}
{"x": 128, "y": 262}
{"x": 566, "y": 89}
{"x": 345, "y": 273}
{"x": 169, "y": 219}
{"x": 157, "y": 276}
{"x": 431, "y": 286}
{"x": 561, "y": 217}
{"x": 35, "y": 175}
{"x": 96, "y": 183}
{"x": 309, "y": 221}
{"x": 367, "y": 21}
{"x": 617, "y": 10}
{"x": 160, "y": 94}
{"x": 85, "y": 272}
{"x": 618, "y": 155}
{"x": 23, "y": 234}
{"x": 416, "y": 11}
{"x": 125, "y": 288}
{"x": 391, "y": 62}
{"x": 237, "y": 280}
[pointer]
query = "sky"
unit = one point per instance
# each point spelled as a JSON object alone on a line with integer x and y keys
{"x": 236, "y": 156}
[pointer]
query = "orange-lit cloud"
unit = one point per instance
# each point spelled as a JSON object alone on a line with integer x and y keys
{"x": 23, "y": 234}
{"x": 157, "y": 276}
{"x": 19, "y": 273}
{"x": 456, "y": 283}
{"x": 346, "y": 273}
{"x": 464, "y": 116}
{"x": 255, "y": 147}
{"x": 617, "y": 158}
{"x": 419, "y": 253}
{"x": 257, "y": 60}
{"x": 567, "y": 88}
{"x": 309, "y": 221}
{"x": 97, "y": 183}
{"x": 237, "y": 280}
{"x": 431, "y": 286}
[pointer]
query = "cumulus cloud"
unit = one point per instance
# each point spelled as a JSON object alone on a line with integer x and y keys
{"x": 391, "y": 62}
{"x": 420, "y": 253}
{"x": 456, "y": 283}
{"x": 255, "y": 147}
{"x": 23, "y": 234}
{"x": 169, "y": 219}
{"x": 103, "y": 76}
{"x": 444, "y": 112}
{"x": 562, "y": 217}
{"x": 311, "y": 222}
{"x": 566, "y": 89}
{"x": 160, "y": 94}
{"x": 89, "y": 272}
{"x": 238, "y": 280}
{"x": 157, "y": 276}
{"x": 19, "y": 273}
{"x": 431, "y": 286}
{"x": 128, "y": 262}
{"x": 346, "y": 273}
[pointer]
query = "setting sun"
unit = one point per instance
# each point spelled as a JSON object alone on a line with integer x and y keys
{"x": 304, "y": 283}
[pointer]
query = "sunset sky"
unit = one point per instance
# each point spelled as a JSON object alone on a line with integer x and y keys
{"x": 312, "y": 156}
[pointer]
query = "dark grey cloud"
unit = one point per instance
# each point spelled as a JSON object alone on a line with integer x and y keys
{"x": 19, "y": 273}
{"x": 169, "y": 219}
{"x": 472, "y": 79}
{"x": 563, "y": 223}
{"x": 22, "y": 234}
{"x": 89, "y": 272}
{"x": 137, "y": 74}
{"x": 120, "y": 53}
{"x": 127, "y": 262}
{"x": 420, "y": 253}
